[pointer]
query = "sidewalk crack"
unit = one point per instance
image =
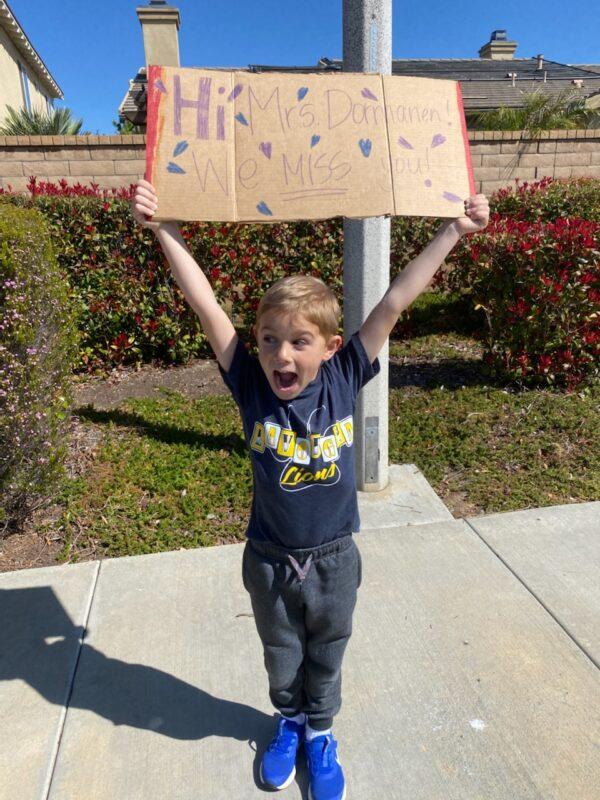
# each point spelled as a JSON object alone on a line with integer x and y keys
{"x": 531, "y": 592}
{"x": 63, "y": 716}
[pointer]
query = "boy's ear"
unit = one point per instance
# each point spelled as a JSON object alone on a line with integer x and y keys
{"x": 333, "y": 346}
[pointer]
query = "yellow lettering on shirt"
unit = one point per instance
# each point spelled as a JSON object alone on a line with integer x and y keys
{"x": 302, "y": 450}
{"x": 315, "y": 448}
{"x": 258, "y": 438}
{"x": 273, "y": 432}
{"x": 287, "y": 443}
{"x": 338, "y": 434}
{"x": 329, "y": 448}
{"x": 293, "y": 476}
{"x": 302, "y": 454}
{"x": 347, "y": 429}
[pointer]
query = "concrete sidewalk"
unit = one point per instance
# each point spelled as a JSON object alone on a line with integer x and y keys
{"x": 472, "y": 672}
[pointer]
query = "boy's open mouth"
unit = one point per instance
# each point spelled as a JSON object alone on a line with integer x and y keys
{"x": 286, "y": 381}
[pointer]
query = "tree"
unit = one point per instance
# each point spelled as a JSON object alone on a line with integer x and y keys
{"x": 540, "y": 112}
{"x": 36, "y": 122}
{"x": 126, "y": 126}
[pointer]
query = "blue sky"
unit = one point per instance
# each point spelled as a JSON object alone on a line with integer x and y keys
{"x": 93, "y": 48}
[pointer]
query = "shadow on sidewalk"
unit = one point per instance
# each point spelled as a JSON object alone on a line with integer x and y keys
{"x": 40, "y": 645}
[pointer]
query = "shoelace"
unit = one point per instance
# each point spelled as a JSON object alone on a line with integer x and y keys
{"x": 326, "y": 754}
{"x": 279, "y": 745}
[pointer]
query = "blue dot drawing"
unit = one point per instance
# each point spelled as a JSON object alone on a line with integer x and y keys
{"x": 404, "y": 143}
{"x": 368, "y": 94}
{"x": 437, "y": 140}
{"x": 264, "y": 209}
{"x": 315, "y": 140}
{"x": 365, "y": 147}
{"x": 302, "y": 92}
{"x": 452, "y": 197}
{"x": 241, "y": 118}
{"x": 171, "y": 167}
{"x": 234, "y": 92}
{"x": 179, "y": 148}
{"x": 265, "y": 148}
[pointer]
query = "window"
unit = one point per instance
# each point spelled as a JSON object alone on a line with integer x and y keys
{"x": 24, "y": 87}
{"x": 49, "y": 106}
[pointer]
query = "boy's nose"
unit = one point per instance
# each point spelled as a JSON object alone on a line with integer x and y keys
{"x": 283, "y": 354}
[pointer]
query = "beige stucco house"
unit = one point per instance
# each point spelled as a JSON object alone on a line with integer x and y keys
{"x": 25, "y": 81}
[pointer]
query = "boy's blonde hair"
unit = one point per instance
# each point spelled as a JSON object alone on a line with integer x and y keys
{"x": 306, "y": 295}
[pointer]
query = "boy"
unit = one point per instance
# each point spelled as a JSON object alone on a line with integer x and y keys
{"x": 301, "y": 565}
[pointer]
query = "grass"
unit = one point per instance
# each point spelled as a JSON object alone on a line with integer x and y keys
{"x": 170, "y": 473}
{"x": 503, "y": 451}
{"x": 174, "y": 473}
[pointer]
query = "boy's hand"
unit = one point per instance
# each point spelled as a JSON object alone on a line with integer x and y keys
{"x": 144, "y": 204}
{"x": 477, "y": 211}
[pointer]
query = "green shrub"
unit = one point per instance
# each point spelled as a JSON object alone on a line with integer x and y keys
{"x": 38, "y": 346}
{"x": 129, "y": 308}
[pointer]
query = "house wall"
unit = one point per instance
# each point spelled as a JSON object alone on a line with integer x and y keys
{"x": 113, "y": 161}
{"x": 10, "y": 82}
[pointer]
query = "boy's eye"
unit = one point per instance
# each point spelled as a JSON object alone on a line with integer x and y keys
{"x": 298, "y": 341}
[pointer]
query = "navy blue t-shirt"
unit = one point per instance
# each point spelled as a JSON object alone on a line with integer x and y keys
{"x": 302, "y": 449}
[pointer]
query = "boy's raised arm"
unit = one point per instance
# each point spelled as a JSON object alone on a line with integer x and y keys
{"x": 189, "y": 277}
{"x": 198, "y": 292}
{"x": 416, "y": 276}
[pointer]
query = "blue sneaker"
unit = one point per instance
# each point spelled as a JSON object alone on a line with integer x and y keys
{"x": 326, "y": 779}
{"x": 278, "y": 765}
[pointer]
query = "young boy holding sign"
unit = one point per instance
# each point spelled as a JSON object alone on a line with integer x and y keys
{"x": 301, "y": 566}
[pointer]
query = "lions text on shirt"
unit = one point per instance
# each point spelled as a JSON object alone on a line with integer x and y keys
{"x": 302, "y": 449}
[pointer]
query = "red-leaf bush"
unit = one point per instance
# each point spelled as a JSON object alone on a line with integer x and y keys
{"x": 536, "y": 275}
{"x": 548, "y": 199}
{"x": 130, "y": 308}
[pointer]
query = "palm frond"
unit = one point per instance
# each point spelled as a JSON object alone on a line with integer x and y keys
{"x": 38, "y": 123}
{"x": 540, "y": 112}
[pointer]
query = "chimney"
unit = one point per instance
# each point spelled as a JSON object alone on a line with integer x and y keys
{"x": 160, "y": 26}
{"x": 540, "y": 61}
{"x": 498, "y": 48}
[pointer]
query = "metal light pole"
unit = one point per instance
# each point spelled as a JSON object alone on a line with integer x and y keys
{"x": 368, "y": 48}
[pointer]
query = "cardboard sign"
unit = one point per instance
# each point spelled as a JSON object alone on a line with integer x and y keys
{"x": 231, "y": 145}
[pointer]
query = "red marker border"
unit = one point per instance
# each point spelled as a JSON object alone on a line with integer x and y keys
{"x": 463, "y": 123}
{"x": 154, "y": 96}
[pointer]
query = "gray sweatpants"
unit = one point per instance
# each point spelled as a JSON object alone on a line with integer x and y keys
{"x": 303, "y": 600}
